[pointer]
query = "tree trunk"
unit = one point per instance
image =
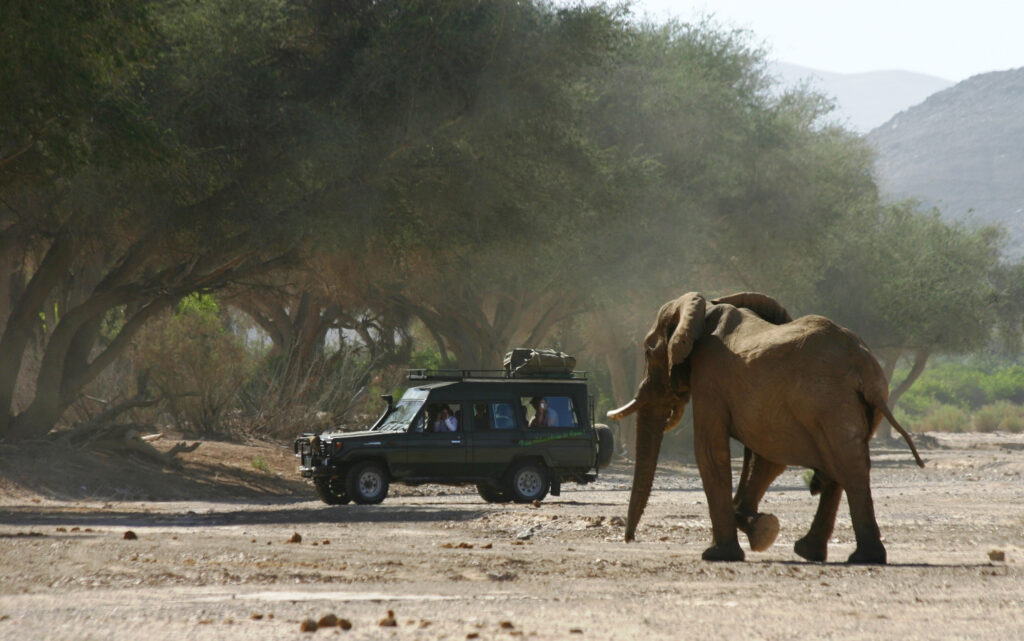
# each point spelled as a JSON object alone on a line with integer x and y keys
{"x": 22, "y": 321}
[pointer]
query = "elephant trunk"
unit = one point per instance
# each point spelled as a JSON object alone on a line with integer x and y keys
{"x": 650, "y": 429}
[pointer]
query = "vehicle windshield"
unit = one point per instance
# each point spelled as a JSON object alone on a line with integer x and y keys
{"x": 400, "y": 417}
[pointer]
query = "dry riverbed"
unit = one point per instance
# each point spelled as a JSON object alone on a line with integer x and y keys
{"x": 229, "y": 551}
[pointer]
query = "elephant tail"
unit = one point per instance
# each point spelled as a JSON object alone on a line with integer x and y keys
{"x": 884, "y": 409}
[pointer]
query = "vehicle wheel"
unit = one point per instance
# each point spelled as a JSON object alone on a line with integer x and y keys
{"x": 492, "y": 494}
{"x": 528, "y": 482}
{"x": 605, "y": 446}
{"x": 331, "y": 491}
{"x": 367, "y": 483}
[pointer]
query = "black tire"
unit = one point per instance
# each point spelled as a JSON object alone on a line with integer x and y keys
{"x": 492, "y": 494}
{"x": 528, "y": 482}
{"x": 331, "y": 490}
{"x": 605, "y": 446}
{"x": 367, "y": 483}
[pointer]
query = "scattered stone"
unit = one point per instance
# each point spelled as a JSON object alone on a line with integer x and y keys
{"x": 309, "y": 625}
{"x": 388, "y": 621}
{"x": 575, "y": 630}
{"x": 76, "y": 529}
{"x": 617, "y": 521}
{"x": 344, "y": 624}
{"x": 486, "y": 546}
{"x": 296, "y": 538}
{"x": 425, "y": 623}
{"x": 536, "y": 503}
{"x": 517, "y": 543}
{"x": 130, "y": 536}
{"x": 328, "y": 621}
{"x": 62, "y": 529}
{"x": 473, "y": 635}
{"x": 325, "y": 542}
{"x": 506, "y": 625}
{"x": 315, "y": 543}
{"x": 256, "y": 616}
{"x": 997, "y": 556}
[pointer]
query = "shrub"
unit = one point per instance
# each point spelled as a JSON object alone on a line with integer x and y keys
{"x": 990, "y": 417}
{"x": 943, "y": 418}
{"x": 197, "y": 365}
{"x": 1014, "y": 422}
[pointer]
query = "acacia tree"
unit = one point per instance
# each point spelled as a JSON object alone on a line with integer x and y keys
{"x": 107, "y": 246}
{"x": 912, "y": 286}
{"x": 490, "y": 187}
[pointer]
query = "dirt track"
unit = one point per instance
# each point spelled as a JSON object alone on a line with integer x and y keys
{"x": 453, "y": 567}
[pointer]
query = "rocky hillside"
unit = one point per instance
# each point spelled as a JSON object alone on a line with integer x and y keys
{"x": 962, "y": 150}
{"x": 863, "y": 100}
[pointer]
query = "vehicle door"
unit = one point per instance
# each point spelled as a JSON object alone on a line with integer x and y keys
{"x": 497, "y": 433}
{"x": 554, "y": 428}
{"x": 435, "y": 446}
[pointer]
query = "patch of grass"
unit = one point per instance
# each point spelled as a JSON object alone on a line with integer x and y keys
{"x": 260, "y": 463}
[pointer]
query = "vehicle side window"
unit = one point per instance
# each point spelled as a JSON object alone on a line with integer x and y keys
{"x": 503, "y": 416}
{"x": 443, "y": 417}
{"x": 550, "y": 411}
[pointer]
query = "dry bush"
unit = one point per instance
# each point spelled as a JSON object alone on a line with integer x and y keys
{"x": 943, "y": 418}
{"x": 197, "y": 366}
{"x": 1002, "y": 416}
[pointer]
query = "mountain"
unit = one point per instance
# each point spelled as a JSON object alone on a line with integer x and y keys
{"x": 863, "y": 100}
{"x": 961, "y": 150}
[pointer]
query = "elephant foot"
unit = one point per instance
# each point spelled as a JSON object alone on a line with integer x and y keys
{"x": 730, "y": 551}
{"x": 763, "y": 530}
{"x": 868, "y": 554}
{"x": 811, "y": 550}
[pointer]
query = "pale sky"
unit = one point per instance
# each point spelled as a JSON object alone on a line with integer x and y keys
{"x": 952, "y": 40}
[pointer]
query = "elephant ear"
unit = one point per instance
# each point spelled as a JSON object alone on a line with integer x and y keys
{"x": 690, "y": 309}
{"x": 764, "y": 306}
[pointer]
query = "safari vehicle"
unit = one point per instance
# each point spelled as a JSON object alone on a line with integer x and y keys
{"x": 516, "y": 436}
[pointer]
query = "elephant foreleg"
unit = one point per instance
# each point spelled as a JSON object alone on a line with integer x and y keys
{"x": 761, "y": 529}
{"x": 814, "y": 545}
{"x": 711, "y": 447}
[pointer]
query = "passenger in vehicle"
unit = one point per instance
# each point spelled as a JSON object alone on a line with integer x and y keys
{"x": 481, "y": 417}
{"x": 446, "y": 422}
{"x": 543, "y": 416}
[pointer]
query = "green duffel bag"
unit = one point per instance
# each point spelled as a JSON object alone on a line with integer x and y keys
{"x": 524, "y": 361}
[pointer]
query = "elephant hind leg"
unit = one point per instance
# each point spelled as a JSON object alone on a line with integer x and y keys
{"x": 870, "y": 549}
{"x": 814, "y": 545}
{"x": 761, "y": 529}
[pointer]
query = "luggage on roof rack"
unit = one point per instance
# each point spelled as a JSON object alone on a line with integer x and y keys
{"x": 527, "y": 362}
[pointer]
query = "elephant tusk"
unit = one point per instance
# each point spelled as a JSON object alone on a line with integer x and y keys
{"x": 675, "y": 417}
{"x": 623, "y": 411}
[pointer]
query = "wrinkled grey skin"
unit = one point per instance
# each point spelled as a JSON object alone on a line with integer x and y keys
{"x": 800, "y": 392}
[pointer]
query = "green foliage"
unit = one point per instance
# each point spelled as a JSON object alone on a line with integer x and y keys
{"x": 968, "y": 384}
{"x": 974, "y": 394}
{"x": 260, "y": 463}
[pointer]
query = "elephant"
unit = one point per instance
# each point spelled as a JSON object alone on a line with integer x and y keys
{"x": 802, "y": 392}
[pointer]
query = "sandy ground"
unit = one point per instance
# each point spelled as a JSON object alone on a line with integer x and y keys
{"x": 219, "y": 565}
